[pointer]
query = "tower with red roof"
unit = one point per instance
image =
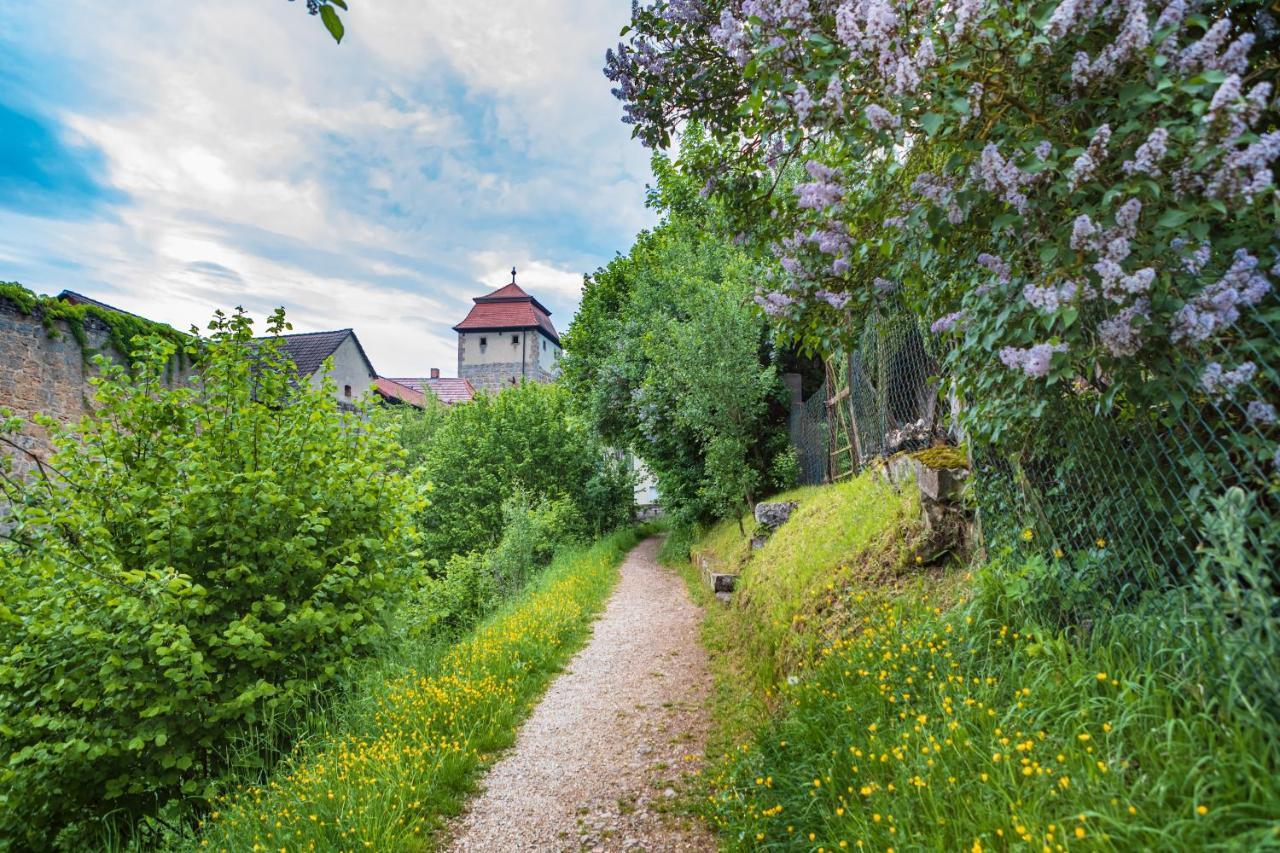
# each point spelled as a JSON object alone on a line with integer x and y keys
{"x": 507, "y": 338}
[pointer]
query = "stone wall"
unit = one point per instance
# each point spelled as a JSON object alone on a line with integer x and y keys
{"x": 47, "y": 372}
{"x": 496, "y": 377}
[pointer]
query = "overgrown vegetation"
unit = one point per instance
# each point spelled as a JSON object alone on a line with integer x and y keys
{"x": 670, "y": 361}
{"x": 122, "y": 328}
{"x": 949, "y": 710}
{"x": 525, "y": 439}
{"x": 383, "y": 771}
{"x": 192, "y": 558}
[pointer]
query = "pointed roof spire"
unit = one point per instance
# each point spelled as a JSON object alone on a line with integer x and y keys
{"x": 513, "y": 275}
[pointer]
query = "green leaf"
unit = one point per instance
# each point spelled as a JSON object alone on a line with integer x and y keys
{"x": 332, "y": 23}
{"x": 931, "y": 122}
{"x": 1173, "y": 217}
{"x": 342, "y": 4}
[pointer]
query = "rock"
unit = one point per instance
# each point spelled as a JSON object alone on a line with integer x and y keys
{"x": 940, "y": 484}
{"x": 669, "y": 793}
{"x": 910, "y": 437}
{"x": 774, "y": 514}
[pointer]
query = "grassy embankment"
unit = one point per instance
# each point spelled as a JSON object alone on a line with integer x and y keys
{"x": 385, "y": 770}
{"x": 866, "y": 702}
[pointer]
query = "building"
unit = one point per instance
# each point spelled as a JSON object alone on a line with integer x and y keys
{"x": 507, "y": 338}
{"x": 393, "y": 393}
{"x": 352, "y": 372}
{"x": 446, "y": 389}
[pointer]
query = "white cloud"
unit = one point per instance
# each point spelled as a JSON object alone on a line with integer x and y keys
{"x": 379, "y": 184}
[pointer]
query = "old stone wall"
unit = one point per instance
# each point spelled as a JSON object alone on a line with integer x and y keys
{"x": 46, "y": 371}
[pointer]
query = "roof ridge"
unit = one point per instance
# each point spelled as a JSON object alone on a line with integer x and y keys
{"x": 303, "y": 334}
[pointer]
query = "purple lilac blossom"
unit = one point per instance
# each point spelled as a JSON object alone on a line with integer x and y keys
{"x": 996, "y": 265}
{"x": 1002, "y": 177}
{"x": 1217, "y": 304}
{"x": 1260, "y": 412}
{"x": 1083, "y": 233}
{"x": 1118, "y": 334}
{"x": 1146, "y": 160}
{"x": 1087, "y": 163}
{"x": 1222, "y": 383}
{"x": 1034, "y": 361}
{"x": 1049, "y": 298}
{"x": 773, "y": 303}
{"x": 881, "y": 119}
{"x": 835, "y": 300}
{"x": 946, "y": 323}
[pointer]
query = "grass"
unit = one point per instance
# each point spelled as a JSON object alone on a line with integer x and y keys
{"x": 385, "y": 772}
{"x": 794, "y": 590}
{"x": 864, "y": 705}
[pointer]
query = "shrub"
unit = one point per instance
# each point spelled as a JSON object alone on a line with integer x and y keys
{"x": 193, "y": 558}
{"x": 524, "y": 438}
{"x": 445, "y": 604}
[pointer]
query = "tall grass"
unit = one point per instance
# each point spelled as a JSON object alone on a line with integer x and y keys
{"x": 939, "y": 712}
{"x": 385, "y": 769}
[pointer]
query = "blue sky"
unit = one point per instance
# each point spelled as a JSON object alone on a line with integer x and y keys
{"x": 175, "y": 157}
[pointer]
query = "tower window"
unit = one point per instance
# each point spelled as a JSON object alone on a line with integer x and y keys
{"x": 544, "y": 346}
{"x": 515, "y": 340}
{"x": 346, "y": 390}
{"x": 484, "y": 342}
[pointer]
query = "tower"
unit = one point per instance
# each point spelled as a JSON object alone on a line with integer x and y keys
{"x": 507, "y": 338}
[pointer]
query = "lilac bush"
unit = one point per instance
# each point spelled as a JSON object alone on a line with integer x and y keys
{"x": 1081, "y": 194}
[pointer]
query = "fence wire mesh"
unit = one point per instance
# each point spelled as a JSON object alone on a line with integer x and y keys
{"x": 1114, "y": 498}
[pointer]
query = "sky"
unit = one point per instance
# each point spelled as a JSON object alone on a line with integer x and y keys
{"x": 173, "y": 157}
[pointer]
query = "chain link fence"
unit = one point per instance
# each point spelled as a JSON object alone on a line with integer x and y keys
{"x": 1114, "y": 498}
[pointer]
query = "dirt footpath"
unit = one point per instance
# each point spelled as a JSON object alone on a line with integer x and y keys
{"x": 601, "y": 762}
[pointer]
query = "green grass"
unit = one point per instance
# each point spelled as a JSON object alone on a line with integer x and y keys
{"x": 863, "y": 704}
{"x": 386, "y": 770}
{"x": 795, "y": 590}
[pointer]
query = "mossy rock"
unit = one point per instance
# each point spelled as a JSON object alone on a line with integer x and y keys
{"x": 942, "y": 456}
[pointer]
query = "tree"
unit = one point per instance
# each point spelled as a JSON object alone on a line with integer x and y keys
{"x": 525, "y": 438}
{"x": 1080, "y": 194}
{"x": 672, "y": 361}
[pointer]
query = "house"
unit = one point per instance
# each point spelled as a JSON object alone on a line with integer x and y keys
{"x": 507, "y": 338}
{"x": 446, "y": 389}
{"x": 352, "y": 372}
{"x": 393, "y": 393}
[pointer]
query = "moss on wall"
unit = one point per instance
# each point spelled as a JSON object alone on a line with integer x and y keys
{"x": 121, "y": 328}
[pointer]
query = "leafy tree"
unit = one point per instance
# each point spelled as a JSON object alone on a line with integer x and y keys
{"x": 415, "y": 428}
{"x": 525, "y": 438}
{"x": 191, "y": 559}
{"x": 1081, "y": 194}
{"x": 672, "y": 362}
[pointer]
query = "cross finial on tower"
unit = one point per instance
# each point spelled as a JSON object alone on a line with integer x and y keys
{"x": 513, "y": 275}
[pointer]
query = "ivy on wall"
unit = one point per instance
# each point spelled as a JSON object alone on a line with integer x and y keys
{"x": 122, "y": 328}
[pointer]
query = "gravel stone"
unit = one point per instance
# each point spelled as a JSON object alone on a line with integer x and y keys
{"x": 639, "y": 688}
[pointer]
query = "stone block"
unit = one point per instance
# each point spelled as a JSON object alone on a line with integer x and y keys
{"x": 722, "y": 582}
{"x": 940, "y": 484}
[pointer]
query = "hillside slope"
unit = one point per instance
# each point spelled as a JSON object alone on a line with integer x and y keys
{"x": 864, "y": 701}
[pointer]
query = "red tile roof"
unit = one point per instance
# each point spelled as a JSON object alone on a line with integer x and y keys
{"x": 446, "y": 390}
{"x": 390, "y": 389}
{"x": 508, "y": 307}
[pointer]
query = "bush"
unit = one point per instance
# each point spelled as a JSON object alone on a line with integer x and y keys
{"x": 524, "y": 438}
{"x": 449, "y": 602}
{"x": 194, "y": 558}
{"x": 399, "y": 760}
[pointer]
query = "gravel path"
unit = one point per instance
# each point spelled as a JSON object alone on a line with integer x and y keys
{"x": 602, "y": 761}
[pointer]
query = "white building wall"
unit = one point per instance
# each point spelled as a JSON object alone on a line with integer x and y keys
{"x": 349, "y": 370}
